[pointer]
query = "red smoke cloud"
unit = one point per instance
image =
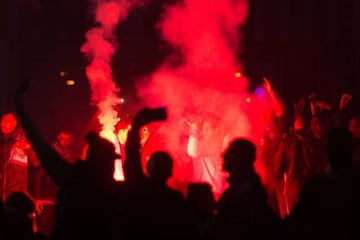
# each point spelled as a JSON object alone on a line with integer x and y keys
{"x": 203, "y": 87}
{"x": 208, "y": 37}
{"x": 204, "y": 84}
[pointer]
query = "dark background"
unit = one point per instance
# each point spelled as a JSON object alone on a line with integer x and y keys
{"x": 301, "y": 45}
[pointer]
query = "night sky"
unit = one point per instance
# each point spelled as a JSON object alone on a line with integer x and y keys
{"x": 300, "y": 45}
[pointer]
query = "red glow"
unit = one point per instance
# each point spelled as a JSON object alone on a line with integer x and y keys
{"x": 122, "y": 134}
{"x": 203, "y": 88}
{"x": 99, "y": 48}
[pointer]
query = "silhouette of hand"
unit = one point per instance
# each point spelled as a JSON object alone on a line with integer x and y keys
{"x": 345, "y": 99}
{"x": 148, "y": 115}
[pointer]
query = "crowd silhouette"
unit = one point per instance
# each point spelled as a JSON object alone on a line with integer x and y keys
{"x": 310, "y": 190}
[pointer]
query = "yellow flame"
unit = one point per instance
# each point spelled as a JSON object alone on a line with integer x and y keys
{"x": 112, "y": 137}
{"x": 122, "y": 134}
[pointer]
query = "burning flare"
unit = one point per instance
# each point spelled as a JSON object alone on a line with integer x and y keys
{"x": 99, "y": 49}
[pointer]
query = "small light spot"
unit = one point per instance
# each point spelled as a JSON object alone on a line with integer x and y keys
{"x": 238, "y": 74}
{"x": 62, "y": 73}
{"x": 70, "y": 82}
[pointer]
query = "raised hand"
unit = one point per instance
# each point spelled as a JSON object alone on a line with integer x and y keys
{"x": 345, "y": 99}
{"x": 148, "y": 115}
{"x": 279, "y": 108}
{"x": 267, "y": 85}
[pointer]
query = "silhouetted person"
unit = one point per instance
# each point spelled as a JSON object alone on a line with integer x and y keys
{"x": 159, "y": 168}
{"x": 270, "y": 149}
{"x": 329, "y": 205}
{"x": 202, "y": 204}
{"x": 64, "y": 146}
{"x": 243, "y": 210}
{"x": 86, "y": 190}
{"x": 303, "y": 157}
{"x": 20, "y": 217}
{"x": 154, "y": 208}
{"x": 46, "y": 189}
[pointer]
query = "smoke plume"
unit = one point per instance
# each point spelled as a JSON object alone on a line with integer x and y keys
{"x": 99, "y": 48}
{"x": 201, "y": 86}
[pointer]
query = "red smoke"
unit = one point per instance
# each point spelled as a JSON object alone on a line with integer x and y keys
{"x": 99, "y": 49}
{"x": 204, "y": 86}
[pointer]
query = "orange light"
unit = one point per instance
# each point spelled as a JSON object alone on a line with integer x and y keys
{"x": 62, "y": 73}
{"x": 248, "y": 100}
{"x": 238, "y": 74}
{"x": 70, "y": 82}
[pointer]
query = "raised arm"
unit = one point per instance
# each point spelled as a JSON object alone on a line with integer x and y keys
{"x": 132, "y": 167}
{"x": 193, "y": 142}
{"x": 342, "y": 116}
{"x": 345, "y": 100}
{"x": 55, "y": 166}
{"x": 279, "y": 108}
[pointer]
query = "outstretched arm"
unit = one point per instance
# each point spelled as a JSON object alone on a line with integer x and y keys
{"x": 55, "y": 166}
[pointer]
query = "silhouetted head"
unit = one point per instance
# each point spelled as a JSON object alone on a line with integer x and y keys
{"x": 20, "y": 210}
{"x": 100, "y": 154}
{"x": 160, "y": 166}
{"x": 239, "y": 159}
{"x": 339, "y": 148}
